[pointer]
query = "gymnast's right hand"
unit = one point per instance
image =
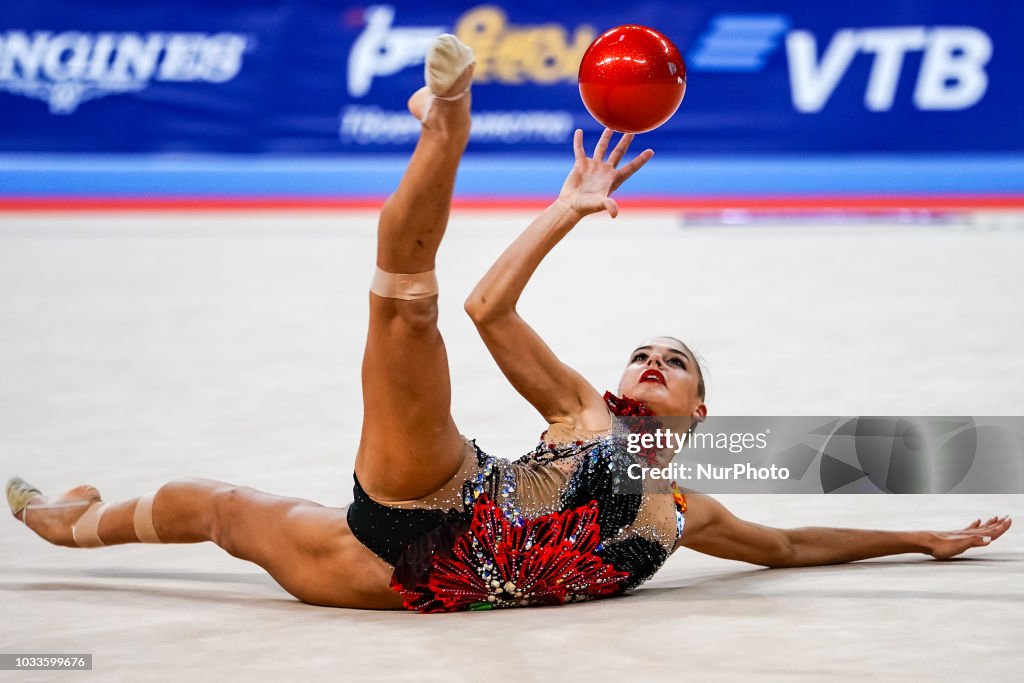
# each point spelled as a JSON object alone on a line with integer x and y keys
{"x": 587, "y": 188}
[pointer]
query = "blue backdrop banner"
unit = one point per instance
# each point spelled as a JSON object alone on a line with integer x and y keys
{"x": 316, "y": 77}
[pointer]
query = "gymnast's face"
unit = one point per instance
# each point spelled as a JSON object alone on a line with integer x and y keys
{"x": 664, "y": 374}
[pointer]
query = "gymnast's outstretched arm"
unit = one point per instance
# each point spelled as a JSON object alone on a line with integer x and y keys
{"x": 557, "y": 391}
{"x": 713, "y": 530}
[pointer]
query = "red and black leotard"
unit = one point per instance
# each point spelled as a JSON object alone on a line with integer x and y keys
{"x": 563, "y": 523}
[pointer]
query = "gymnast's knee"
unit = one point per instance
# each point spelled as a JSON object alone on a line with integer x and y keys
{"x": 225, "y": 506}
{"x": 415, "y": 317}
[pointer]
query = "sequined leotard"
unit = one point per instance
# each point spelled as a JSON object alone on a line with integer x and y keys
{"x": 561, "y": 524}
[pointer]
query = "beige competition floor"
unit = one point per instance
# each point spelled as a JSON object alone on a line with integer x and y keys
{"x": 140, "y": 348}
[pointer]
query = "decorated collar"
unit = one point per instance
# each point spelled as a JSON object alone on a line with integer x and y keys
{"x": 623, "y": 406}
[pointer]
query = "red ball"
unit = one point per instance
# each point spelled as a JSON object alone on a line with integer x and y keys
{"x": 632, "y": 79}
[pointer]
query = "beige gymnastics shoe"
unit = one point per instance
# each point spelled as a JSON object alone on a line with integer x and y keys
{"x": 448, "y": 74}
{"x": 68, "y": 527}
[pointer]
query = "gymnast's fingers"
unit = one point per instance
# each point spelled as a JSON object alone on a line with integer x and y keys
{"x": 577, "y": 145}
{"x": 602, "y": 144}
{"x": 632, "y": 167}
{"x": 620, "y": 149}
{"x": 999, "y": 528}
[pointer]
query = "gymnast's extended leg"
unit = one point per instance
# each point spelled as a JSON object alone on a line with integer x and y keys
{"x": 410, "y": 445}
{"x": 305, "y": 547}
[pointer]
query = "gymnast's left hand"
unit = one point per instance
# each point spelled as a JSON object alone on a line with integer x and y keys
{"x": 591, "y": 181}
{"x": 943, "y": 545}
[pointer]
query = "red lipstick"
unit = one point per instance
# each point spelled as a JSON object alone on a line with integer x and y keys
{"x": 652, "y": 375}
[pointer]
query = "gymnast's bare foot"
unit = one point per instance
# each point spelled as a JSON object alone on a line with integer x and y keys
{"x": 53, "y": 519}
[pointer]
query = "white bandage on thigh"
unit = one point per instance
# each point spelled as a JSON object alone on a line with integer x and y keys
{"x": 143, "y": 520}
{"x": 407, "y": 286}
{"x": 86, "y": 529}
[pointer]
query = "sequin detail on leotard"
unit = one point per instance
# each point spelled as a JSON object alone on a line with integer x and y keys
{"x": 561, "y": 524}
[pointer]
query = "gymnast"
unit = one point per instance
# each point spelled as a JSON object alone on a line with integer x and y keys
{"x": 436, "y": 523}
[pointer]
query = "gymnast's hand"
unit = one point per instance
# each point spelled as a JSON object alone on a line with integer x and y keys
{"x": 943, "y": 545}
{"x": 592, "y": 179}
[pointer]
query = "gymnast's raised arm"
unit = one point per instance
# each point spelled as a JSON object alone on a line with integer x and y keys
{"x": 557, "y": 391}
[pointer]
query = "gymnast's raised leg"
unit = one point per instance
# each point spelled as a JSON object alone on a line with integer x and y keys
{"x": 410, "y": 445}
